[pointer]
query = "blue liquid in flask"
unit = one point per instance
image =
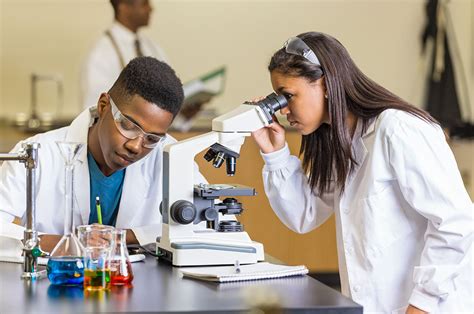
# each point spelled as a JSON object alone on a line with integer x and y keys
{"x": 67, "y": 270}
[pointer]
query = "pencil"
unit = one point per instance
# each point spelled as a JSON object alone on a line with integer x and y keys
{"x": 99, "y": 211}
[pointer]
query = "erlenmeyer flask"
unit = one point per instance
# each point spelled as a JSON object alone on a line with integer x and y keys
{"x": 120, "y": 266}
{"x": 65, "y": 265}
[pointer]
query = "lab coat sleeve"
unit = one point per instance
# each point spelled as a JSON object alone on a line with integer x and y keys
{"x": 430, "y": 182}
{"x": 12, "y": 188}
{"x": 290, "y": 195}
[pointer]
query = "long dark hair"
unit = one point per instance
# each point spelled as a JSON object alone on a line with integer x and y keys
{"x": 327, "y": 153}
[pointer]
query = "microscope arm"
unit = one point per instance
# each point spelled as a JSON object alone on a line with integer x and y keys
{"x": 179, "y": 162}
{"x": 243, "y": 119}
{"x": 229, "y": 130}
{"x": 183, "y": 240}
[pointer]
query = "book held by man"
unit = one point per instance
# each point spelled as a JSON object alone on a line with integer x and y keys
{"x": 198, "y": 93}
{"x": 257, "y": 271}
{"x": 204, "y": 88}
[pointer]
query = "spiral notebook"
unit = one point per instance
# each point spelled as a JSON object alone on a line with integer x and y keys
{"x": 244, "y": 272}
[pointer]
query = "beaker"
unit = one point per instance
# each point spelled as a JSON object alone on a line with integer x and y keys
{"x": 97, "y": 267}
{"x": 98, "y": 242}
{"x": 65, "y": 265}
{"x": 121, "y": 267}
{"x": 96, "y": 235}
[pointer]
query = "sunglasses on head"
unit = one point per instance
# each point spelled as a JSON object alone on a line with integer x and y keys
{"x": 296, "y": 46}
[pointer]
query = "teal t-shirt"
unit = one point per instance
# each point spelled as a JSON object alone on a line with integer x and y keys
{"x": 108, "y": 189}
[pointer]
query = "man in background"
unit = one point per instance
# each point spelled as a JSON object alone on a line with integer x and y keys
{"x": 119, "y": 44}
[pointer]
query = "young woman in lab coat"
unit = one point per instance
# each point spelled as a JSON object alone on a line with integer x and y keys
{"x": 404, "y": 220}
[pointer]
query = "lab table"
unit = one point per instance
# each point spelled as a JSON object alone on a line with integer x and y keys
{"x": 159, "y": 287}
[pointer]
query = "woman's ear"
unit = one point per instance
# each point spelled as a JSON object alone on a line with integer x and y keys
{"x": 102, "y": 103}
{"x": 323, "y": 84}
{"x": 323, "y": 80}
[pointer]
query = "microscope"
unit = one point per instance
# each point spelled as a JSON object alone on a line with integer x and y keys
{"x": 193, "y": 233}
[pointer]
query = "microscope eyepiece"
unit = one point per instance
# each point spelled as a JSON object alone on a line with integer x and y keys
{"x": 271, "y": 104}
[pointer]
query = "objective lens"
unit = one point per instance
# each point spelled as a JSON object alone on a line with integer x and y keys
{"x": 230, "y": 165}
{"x": 218, "y": 160}
{"x": 210, "y": 154}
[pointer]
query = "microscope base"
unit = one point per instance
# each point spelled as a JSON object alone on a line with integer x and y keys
{"x": 201, "y": 252}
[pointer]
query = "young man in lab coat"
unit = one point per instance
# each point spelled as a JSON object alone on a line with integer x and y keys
{"x": 125, "y": 135}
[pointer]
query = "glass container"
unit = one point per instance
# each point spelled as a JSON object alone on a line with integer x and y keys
{"x": 65, "y": 265}
{"x": 98, "y": 242}
{"x": 97, "y": 268}
{"x": 121, "y": 267}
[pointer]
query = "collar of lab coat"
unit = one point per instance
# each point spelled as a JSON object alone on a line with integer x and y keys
{"x": 359, "y": 148}
{"x": 136, "y": 183}
{"x": 370, "y": 128}
{"x": 120, "y": 32}
{"x": 78, "y": 131}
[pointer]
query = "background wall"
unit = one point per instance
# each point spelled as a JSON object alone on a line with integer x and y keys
{"x": 53, "y": 37}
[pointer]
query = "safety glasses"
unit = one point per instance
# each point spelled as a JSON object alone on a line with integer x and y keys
{"x": 131, "y": 130}
{"x": 297, "y": 46}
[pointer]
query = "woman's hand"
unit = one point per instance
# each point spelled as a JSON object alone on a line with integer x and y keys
{"x": 270, "y": 138}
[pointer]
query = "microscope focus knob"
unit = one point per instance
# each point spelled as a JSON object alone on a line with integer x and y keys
{"x": 183, "y": 212}
{"x": 210, "y": 214}
{"x": 232, "y": 203}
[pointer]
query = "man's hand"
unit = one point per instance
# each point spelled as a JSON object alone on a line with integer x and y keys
{"x": 49, "y": 241}
{"x": 414, "y": 310}
{"x": 131, "y": 239}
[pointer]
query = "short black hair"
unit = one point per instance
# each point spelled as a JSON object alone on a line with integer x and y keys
{"x": 153, "y": 80}
{"x": 115, "y": 4}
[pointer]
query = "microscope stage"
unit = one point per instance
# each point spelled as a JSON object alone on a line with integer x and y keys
{"x": 217, "y": 190}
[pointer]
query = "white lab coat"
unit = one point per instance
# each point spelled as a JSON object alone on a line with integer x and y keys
{"x": 102, "y": 65}
{"x": 141, "y": 194}
{"x": 404, "y": 223}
